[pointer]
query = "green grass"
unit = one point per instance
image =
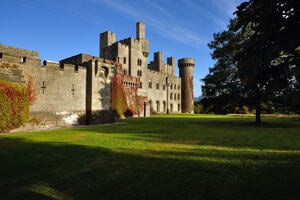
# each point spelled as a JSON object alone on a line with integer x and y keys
{"x": 162, "y": 157}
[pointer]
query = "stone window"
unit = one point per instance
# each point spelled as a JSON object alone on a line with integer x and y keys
{"x": 139, "y": 62}
{"x": 22, "y": 59}
{"x": 103, "y": 72}
{"x": 141, "y": 85}
{"x": 124, "y": 60}
{"x": 178, "y": 87}
{"x": 171, "y": 96}
{"x": 139, "y": 73}
{"x": 150, "y": 84}
{"x": 178, "y": 107}
{"x": 178, "y": 96}
{"x": 171, "y": 86}
{"x": 157, "y": 86}
{"x": 164, "y": 87}
{"x": 1, "y": 55}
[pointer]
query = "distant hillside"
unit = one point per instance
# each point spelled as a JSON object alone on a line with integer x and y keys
{"x": 198, "y": 98}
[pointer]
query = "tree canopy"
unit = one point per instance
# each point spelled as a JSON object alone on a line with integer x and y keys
{"x": 258, "y": 55}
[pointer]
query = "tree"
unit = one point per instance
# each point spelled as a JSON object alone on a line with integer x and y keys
{"x": 222, "y": 87}
{"x": 267, "y": 55}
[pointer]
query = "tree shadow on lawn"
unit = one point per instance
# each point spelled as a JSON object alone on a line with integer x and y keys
{"x": 227, "y": 132}
{"x": 32, "y": 170}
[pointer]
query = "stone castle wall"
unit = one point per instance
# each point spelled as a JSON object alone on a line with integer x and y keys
{"x": 60, "y": 87}
{"x": 77, "y": 87}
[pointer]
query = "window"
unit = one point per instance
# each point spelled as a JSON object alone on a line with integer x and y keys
{"x": 124, "y": 60}
{"x": 171, "y": 86}
{"x": 178, "y": 87}
{"x": 141, "y": 85}
{"x": 22, "y": 59}
{"x": 1, "y": 54}
{"x": 124, "y": 71}
{"x": 178, "y": 96}
{"x": 164, "y": 87}
{"x": 157, "y": 86}
{"x": 150, "y": 84}
{"x": 171, "y": 96}
{"x": 139, "y": 62}
{"x": 139, "y": 72}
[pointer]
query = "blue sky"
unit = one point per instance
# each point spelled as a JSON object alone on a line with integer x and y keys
{"x": 62, "y": 28}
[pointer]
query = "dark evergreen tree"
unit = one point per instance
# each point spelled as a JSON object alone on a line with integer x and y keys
{"x": 222, "y": 89}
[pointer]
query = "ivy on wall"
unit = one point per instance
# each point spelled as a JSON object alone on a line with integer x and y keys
{"x": 191, "y": 86}
{"x": 15, "y": 99}
{"x": 125, "y": 99}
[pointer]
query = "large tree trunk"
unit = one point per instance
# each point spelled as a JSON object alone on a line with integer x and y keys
{"x": 258, "y": 107}
{"x": 258, "y": 113}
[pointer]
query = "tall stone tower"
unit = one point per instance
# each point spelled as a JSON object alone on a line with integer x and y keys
{"x": 140, "y": 30}
{"x": 106, "y": 39}
{"x": 186, "y": 72}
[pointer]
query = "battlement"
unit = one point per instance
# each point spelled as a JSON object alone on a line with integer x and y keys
{"x": 186, "y": 62}
{"x": 160, "y": 73}
{"x": 54, "y": 67}
{"x": 10, "y": 50}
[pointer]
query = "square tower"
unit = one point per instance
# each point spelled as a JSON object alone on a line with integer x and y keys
{"x": 106, "y": 39}
{"x": 140, "y": 30}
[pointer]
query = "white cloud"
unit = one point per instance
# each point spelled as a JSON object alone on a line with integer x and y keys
{"x": 162, "y": 21}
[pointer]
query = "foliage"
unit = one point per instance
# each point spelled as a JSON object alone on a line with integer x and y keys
{"x": 223, "y": 89}
{"x": 14, "y": 105}
{"x": 259, "y": 56}
{"x": 198, "y": 108}
{"x": 125, "y": 97}
{"x": 266, "y": 56}
{"x": 161, "y": 157}
{"x": 32, "y": 94}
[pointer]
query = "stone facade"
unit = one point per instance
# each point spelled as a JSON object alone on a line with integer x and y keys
{"x": 91, "y": 88}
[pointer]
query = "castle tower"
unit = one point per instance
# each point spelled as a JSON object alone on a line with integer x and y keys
{"x": 171, "y": 63}
{"x": 106, "y": 39}
{"x": 159, "y": 61}
{"x": 140, "y": 35}
{"x": 140, "y": 30}
{"x": 186, "y": 72}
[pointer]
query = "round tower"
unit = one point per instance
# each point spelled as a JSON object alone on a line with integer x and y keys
{"x": 186, "y": 72}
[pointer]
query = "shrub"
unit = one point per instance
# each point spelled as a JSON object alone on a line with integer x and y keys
{"x": 198, "y": 108}
{"x": 14, "y": 105}
{"x": 243, "y": 110}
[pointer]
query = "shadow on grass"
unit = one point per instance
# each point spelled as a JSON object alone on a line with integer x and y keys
{"x": 31, "y": 170}
{"x": 272, "y": 134}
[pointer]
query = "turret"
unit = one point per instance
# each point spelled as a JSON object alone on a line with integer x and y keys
{"x": 171, "y": 65}
{"x": 106, "y": 39}
{"x": 186, "y": 72}
{"x": 159, "y": 61}
{"x": 140, "y": 30}
{"x": 140, "y": 35}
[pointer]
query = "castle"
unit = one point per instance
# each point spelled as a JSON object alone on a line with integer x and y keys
{"x": 118, "y": 82}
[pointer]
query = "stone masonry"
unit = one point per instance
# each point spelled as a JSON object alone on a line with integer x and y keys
{"x": 83, "y": 87}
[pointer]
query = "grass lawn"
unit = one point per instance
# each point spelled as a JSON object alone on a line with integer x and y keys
{"x": 162, "y": 157}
